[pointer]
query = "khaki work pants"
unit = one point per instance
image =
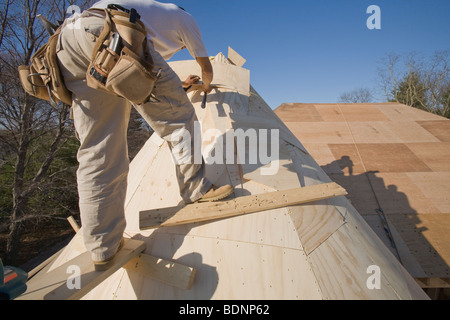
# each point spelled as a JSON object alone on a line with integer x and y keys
{"x": 101, "y": 122}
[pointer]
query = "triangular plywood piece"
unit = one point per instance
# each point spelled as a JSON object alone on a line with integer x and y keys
{"x": 235, "y": 58}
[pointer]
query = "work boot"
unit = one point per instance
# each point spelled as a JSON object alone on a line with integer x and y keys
{"x": 216, "y": 194}
{"x": 105, "y": 264}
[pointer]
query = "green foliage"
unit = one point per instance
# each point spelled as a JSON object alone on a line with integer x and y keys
{"x": 445, "y": 101}
{"x": 57, "y": 194}
{"x": 412, "y": 91}
{"x": 6, "y": 180}
{"x": 418, "y": 81}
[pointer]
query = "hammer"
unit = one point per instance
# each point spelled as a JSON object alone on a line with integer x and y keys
{"x": 204, "y": 100}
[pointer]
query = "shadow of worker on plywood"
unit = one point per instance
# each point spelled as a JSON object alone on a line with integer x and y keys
{"x": 388, "y": 209}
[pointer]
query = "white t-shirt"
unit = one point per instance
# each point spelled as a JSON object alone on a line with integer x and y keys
{"x": 170, "y": 28}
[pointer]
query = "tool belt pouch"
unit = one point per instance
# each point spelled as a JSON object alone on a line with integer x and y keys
{"x": 131, "y": 78}
{"x": 133, "y": 34}
{"x": 32, "y": 82}
{"x": 35, "y": 77}
{"x": 42, "y": 78}
{"x": 130, "y": 73}
{"x": 100, "y": 68}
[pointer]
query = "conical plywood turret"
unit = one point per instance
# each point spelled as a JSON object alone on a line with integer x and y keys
{"x": 320, "y": 250}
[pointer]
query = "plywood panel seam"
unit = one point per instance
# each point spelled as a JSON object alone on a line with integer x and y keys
{"x": 353, "y": 139}
{"x": 123, "y": 271}
{"x": 238, "y": 241}
{"x": 295, "y": 146}
{"x": 325, "y": 240}
{"x": 142, "y": 177}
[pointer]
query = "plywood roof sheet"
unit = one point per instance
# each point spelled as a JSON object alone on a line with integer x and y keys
{"x": 389, "y": 156}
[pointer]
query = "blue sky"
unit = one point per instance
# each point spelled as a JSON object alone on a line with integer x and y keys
{"x": 312, "y": 51}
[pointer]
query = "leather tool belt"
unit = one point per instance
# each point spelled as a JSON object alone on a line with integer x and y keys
{"x": 121, "y": 63}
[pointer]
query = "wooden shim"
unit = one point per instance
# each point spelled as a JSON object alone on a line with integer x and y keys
{"x": 235, "y": 58}
{"x": 198, "y": 212}
{"x": 168, "y": 272}
{"x": 55, "y": 284}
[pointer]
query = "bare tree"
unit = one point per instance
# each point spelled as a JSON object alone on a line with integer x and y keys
{"x": 32, "y": 129}
{"x": 137, "y": 134}
{"x": 359, "y": 95}
{"x": 3, "y": 17}
{"x": 418, "y": 81}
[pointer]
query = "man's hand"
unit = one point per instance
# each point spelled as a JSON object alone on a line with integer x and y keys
{"x": 192, "y": 79}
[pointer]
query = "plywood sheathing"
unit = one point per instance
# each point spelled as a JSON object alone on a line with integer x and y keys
{"x": 423, "y": 234}
{"x": 321, "y": 250}
{"x": 391, "y": 156}
{"x": 439, "y": 128}
{"x": 275, "y": 254}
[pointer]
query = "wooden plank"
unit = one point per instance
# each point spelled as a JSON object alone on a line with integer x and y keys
{"x": 61, "y": 284}
{"x": 433, "y": 282}
{"x": 198, "y": 212}
{"x": 73, "y": 224}
{"x": 168, "y": 272}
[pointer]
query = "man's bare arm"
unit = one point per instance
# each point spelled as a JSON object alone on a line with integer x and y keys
{"x": 207, "y": 72}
